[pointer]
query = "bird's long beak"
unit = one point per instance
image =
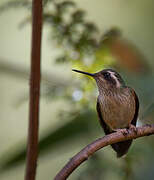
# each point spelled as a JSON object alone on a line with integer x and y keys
{"x": 89, "y": 74}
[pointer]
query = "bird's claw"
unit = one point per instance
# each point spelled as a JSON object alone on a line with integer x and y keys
{"x": 133, "y": 128}
{"x": 124, "y": 131}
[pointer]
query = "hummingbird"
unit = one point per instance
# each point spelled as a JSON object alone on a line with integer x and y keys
{"x": 117, "y": 106}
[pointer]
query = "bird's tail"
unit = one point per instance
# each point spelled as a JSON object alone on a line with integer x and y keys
{"x": 121, "y": 147}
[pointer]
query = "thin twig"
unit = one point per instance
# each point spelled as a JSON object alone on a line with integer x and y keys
{"x": 32, "y": 149}
{"x": 86, "y": 152}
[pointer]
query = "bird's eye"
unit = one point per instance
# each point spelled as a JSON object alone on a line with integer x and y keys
{"x": 106, "y": 75}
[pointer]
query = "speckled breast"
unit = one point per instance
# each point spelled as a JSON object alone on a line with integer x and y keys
{"x": 118, "y": 109}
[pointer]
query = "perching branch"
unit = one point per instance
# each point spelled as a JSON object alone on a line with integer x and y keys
{"x": 32, "y": 149}
{"x": 86, "y": 152}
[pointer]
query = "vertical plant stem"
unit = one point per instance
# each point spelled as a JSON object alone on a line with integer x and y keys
{"x": 32, "y": 147}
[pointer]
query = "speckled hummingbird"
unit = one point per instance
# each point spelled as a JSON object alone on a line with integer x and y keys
{"x": 117, "y": 105}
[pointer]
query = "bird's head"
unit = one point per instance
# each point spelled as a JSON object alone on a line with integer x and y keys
{"x": 106, "y": 79}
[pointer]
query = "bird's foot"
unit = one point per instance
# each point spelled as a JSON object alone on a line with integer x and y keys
{"x": 124, "y": 131}
{"x": 133, "y": 128}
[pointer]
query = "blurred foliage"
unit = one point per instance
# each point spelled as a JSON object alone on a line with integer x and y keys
{"x": 82, "y": 46}
{"x": 148, "y": 111}
{"x": 95, "y": 169}
{"x": 77, "y": 127}
{"x": 80, "y": 42}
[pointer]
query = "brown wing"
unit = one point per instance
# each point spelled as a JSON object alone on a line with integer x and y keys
{"x": 136, "y": 107}
{"x": 122, "y": 147}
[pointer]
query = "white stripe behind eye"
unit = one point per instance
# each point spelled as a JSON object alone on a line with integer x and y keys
{"x": 115, "y": 78}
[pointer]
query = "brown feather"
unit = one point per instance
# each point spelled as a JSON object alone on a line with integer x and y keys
{"x": 122, "y": 147}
